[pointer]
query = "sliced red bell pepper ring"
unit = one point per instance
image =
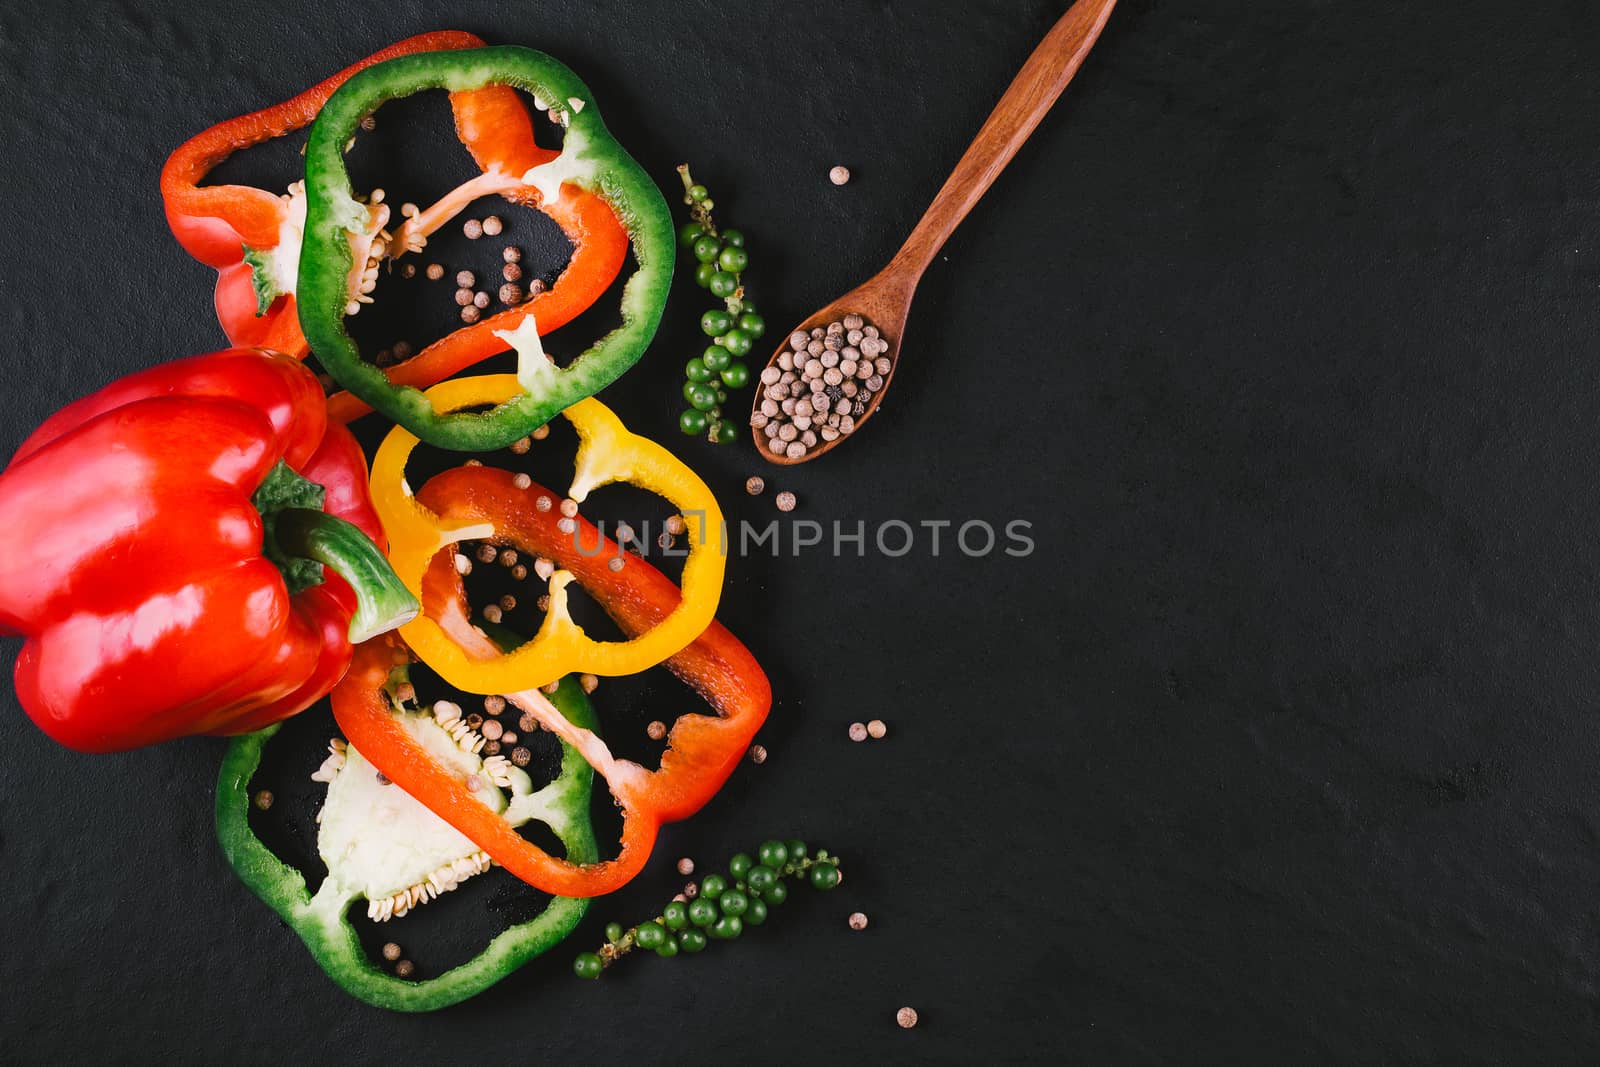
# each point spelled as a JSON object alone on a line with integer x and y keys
{"x": 252, "y": 236}
{"x": 167, "y": 568}
{"x": 702, "y": 750}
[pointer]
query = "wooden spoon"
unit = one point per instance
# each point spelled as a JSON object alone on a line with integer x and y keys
{"x": 885, "y": 300}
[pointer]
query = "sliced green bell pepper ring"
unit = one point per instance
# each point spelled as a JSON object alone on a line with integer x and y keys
{"x": 339, "y": 229}
{"x": 320, "y": 919}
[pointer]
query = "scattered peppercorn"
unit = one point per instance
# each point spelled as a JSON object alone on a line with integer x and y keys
{"x": 493, "y": 729}
{"x": 755, "y": 486}
{"x": 492, "y": 225}
{"x": 839, "y": 175}
{"x": 480, "y": 300}
{"x": 520, "y": 446}
{"x": 615, "y": 564}
{"x": 906, "y": 1017}
{"x": 588, "y": 683}
{"x": 511, "y": 294}
{"x": 264, "y": 800}
{"x": 511, "y": 272}
{"x": 391, "y": 951}
{"x": 686, "y": 866}
{"x": 785, "y": 501}
{"x": 521, "y": 756}
{"x": 758, "y": 754}
{"x": 858, "y": 731}
{"x": 675, "y": 525}
{"x": 470, "y": 314}
{"x": 876, "y": 729}
{"x": 858, "y": 920}
{"x": 473, "y": 229}
{"x": 405, "y": 969}
{"x": 434, "y": 272}
{"x": 656, "y": 731}
{"x": 511, "y": 254}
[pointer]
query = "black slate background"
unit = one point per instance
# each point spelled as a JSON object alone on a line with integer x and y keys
{"x": 1281, "y": 747}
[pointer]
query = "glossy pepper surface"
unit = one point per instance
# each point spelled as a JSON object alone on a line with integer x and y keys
{"x": 340, "y": 229}
{"x": 166, "y": 564}
{"x": 702, "y": 750}
{"x": 607, "y": 453}
{"x": 321, "y": 919}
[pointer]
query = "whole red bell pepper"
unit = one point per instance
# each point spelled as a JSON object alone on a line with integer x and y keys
{"x": 167, "y": 539}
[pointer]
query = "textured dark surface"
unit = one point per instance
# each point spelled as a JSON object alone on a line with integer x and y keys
{"x": 1281, "y": 747}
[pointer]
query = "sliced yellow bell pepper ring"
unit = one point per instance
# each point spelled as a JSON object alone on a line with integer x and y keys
{"x": 607, "y": 453}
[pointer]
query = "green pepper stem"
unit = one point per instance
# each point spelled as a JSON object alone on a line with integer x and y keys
{"x": 382, "y": 603}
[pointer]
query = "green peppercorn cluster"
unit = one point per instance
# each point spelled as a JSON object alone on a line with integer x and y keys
{"x": 734, "y": 328}
{"x": 724, "y": 906}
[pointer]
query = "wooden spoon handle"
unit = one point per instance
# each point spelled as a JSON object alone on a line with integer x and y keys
{"x": 1035, "y": 89}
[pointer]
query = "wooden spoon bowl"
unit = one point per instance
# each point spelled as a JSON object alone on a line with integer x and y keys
{"x": 885, "y": 299}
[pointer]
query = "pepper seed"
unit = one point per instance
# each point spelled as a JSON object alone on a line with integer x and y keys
{"x": 492, "y": 613}
{"x": 588, "y": 683}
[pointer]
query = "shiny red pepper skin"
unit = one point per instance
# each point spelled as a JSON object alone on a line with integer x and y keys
{"x": 133, "y": 563}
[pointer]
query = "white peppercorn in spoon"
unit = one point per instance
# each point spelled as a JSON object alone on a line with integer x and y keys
{"x": 885, "y": 300}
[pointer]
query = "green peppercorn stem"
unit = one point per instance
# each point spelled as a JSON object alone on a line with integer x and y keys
{"x": 724, "y": 907}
